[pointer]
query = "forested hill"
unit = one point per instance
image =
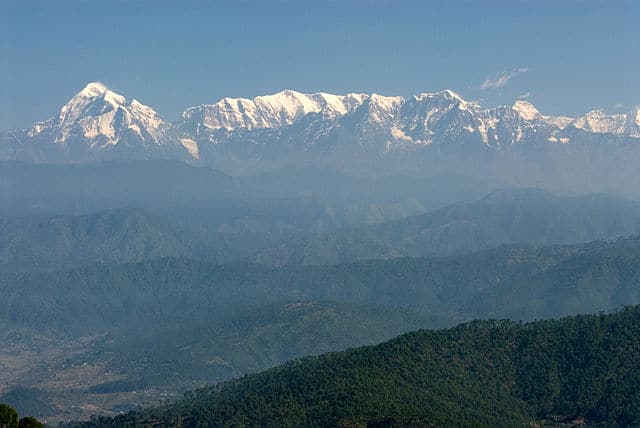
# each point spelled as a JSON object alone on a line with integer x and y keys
{"x": 511, "y": 282}
{"x": 483, "y": 373}
{"x": 506, "y": 216}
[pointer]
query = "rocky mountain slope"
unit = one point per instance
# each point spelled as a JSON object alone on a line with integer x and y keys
{"x": 355, "y": 132}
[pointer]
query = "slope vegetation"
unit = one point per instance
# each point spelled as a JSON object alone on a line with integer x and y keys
{"x": 514, "y": 282}
{"x": 510, "y": 216}
{"x": 484, "y": 373}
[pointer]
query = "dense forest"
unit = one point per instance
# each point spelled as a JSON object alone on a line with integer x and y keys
{"x": 179, "y": 323}
{"x": 9, "y": 419}
{"x": 581, "y": 369}
{"x": 266, "y": 336}
{"x": 512, "y": 281}
{"x": 134, "y": 297}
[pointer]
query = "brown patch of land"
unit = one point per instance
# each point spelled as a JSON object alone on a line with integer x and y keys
{"x": 66, "y": 370}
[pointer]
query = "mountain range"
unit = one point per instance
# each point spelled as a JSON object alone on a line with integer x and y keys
{"x": 46, "y": 242}
{"x": 355, "y": 132}
{"x": 116, "y": 331}
{"x": 143, "y": 256}
{"x": 516, "y": 282}
{"x": 506, "y": 216}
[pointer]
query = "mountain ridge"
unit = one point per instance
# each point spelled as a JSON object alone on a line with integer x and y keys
{"x": 418, "y": 135}
{"x": 502, "y": 217}
{"x": 575, "y": 371}
{"x": 102, "y": 116}
{"x": 516, "y": 282}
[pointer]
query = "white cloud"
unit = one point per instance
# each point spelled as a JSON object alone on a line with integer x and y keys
{"x": 502, "y": 79}
{"x": 524, "y": 96}
{"x": 618, "y": 106}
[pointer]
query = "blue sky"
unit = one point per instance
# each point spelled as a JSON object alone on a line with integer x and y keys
{"x": 565, "y": 56}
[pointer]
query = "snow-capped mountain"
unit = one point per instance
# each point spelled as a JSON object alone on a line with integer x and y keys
{"x": 618, "y": 124}
{"x": 270, "y": 111}
{"x": 396, "y": 122}
{"x": 98, "y": 123}
{"x": 292, "y": 127}
{"x": 101, "y": 118}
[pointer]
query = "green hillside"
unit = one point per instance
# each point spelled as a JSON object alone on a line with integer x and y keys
{"x": 513, "y": 282}
{"x": 247, "y": 343}
{"x": 483, "y": 373}
{"x": 56, "y": 242}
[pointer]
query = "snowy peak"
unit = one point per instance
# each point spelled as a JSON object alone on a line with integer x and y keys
{"x": 396, "y": 121}
{"x": 427, "y": 113}
{"x": 98, "y": 123}
{"x": 382, "y": 108}
{"x": 598, "y": 122}
{"x": 444, "y": 99}
{"x": 269, "y": 111}
{"x": 529, "y": 112}
{"x": 102, "y": 117}
{"x": 634, "y": 116}
{"x": 288, "y": 106}
{"x": 93, "y": 89}
{"x": 632, "y": 127}
{"x": 446, "y": 95}
{"x": 626, "y": 125}
{"x": 526, "y": 110}
{"x": 91, "y": 111}
{"x": 92, "y": 95}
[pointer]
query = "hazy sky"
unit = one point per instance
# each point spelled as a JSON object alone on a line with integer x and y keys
{"x": 564, "y": 56}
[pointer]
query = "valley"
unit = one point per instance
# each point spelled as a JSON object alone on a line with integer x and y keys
{"x": 309, "y": 258}
{"x": 133, "y": 309}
